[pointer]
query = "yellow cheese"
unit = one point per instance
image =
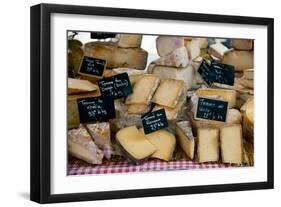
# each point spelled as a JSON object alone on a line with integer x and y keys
{"x": 129, "y": 40}
{"x": 135, "y": 143}
{"x": 185, "y": 138}
{"x": 80, "y": 86}
{"x": 231, "y": 144}
{"x": 164, "y": 142}
{"x": 138, "y": 108}
{"x": 208, "y": 145}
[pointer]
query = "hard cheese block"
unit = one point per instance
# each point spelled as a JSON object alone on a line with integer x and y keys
{"x": 220, "y": 94}
{"x": 185, "y": 138}
{"x": 178, "y": 58}
{"x": 164, "y": 142}
{"x": 167, "y": 44}
{"x": 81, "y": 145}
{"x": 186, "y": 74}
{"x": 80, "y": 86}
{"x": 242, "y": 44}
{"x": 115, "y": 56}
{"x": 129, "y": 40}
{"x": 134, "y": 144}
{"x": 100, "y": 133}
{"x": 241, "y": 60}
{"x": 208, "y": 145}
{"x": 231, "y": 143}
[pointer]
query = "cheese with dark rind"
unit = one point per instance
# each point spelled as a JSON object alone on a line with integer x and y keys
{"x": 208, "y": 145}
{"x": 167, "y": 44}
{"x": 231, "y": 144}
{"x": 115, "y": 56}
{"x": 185, "y": 138}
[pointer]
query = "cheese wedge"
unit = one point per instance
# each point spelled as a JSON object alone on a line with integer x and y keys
{"x": 185, "y": 138}
{"x": 220, "y": 94}
{"x": 134, "y": 144}
{"x": 80, "y": 86}
{"x": 242, "y": 44}
{"x": 167, "y": 94}
{"x": 100, "y": 133}
{"x": 164, "y": 142}
{"x": 129, "y": 40}
{"x": 178, "y": 58}
{"x": 231, "y": 144}
{"x": 143, "y": 90}
{"x": 186, "y": 74}
{"x": 167, "y": 44}
{"x": 217, "y": 50}
{"x": 241, "y": 60}
{"x": 81, "y": 145}
{"x": 208, "y": 145}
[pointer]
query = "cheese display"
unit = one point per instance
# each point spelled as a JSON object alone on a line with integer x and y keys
{"x": 158, "y": 100}
{"x": 208, "y": 145}
{"x": 231, "y": 144}
{"x": 164, "y": 142}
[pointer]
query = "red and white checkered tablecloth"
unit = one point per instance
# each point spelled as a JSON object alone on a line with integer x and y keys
{"x": 148, "y": 166}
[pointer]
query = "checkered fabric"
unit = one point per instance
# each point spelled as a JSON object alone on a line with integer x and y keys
{"x": 148, "y": 166}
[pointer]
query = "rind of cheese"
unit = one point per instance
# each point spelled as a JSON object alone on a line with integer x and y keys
{"x": 164, "y": 142}
{"x": 81, "y": 145}
{"x": 186, "y": 74}
{"x": 185, "y": 138}
{"x": 135, "y": 143}
{"x": 138, "y": 108}
{"x": 115, "y": 56}
{"x": 220, "y": 94}
{"x": 167, "y": 44}
{"x": 231, "y": 144}
{"x": 129, "y": 40}
{"x": 100, "y": 133}
{"x": 242, "y": 44}
{"x": 80, "y": 86}
{"x": 143, "y": 90}
{"x": 167, "y": 94}
{"x": 241, "y": 60}
{"x": 217, "y": 50}
{"x": 178, "y": 58}
{"x": 208, "y": 145}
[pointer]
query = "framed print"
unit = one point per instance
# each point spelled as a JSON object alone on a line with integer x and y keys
{"x": 132, "y": 103}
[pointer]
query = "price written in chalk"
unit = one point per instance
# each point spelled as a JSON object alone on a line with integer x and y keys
{"x": 117, "y": 86}
{"x": 92, "y": 66}
{"x": 211, "y": 109}
{"x": 96, "y": 109}
{"x": 154, "y": 121}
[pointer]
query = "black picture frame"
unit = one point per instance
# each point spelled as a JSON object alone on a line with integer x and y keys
{"x": 41, "y": 96}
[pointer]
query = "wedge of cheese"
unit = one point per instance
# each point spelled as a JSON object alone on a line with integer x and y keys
{"x": 80, "y": 86}
{"x": 115, "y": 56}
{"x": 217, "y": 50}
{"x": 167, "y": 44}
{"x": 143, "y": 90}
{"x": 231, "y": 144}
{"x": 129, "y": 40}
{"x": 220, "y": 94}
{"x": 178, "y": 58}
{"x": 164, "y": 142}
{"x": 134, "y": 144}
{"x": 186, "y": 74}
{"x": 100, "y": 133}
{"x": 242, "y": 44}
{"x": 168, "y": 93}
{"x": 241, "y": 60}
{"x": 208, "y": 145}
{"x": 185, "y": 138}
{"x": 81, "y": 145}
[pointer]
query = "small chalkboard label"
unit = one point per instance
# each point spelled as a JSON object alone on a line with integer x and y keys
{"x": 211, "y": 109}
{"x": 117, "y": 86}
{"x": 217, "y": 72}
{"x": 96, "y": 109}
{"x": 92, "y": 66}
{"x": 102, "y": 35}
{"x": 154, "y": 121}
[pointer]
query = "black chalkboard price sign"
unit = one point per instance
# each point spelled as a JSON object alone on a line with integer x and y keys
{"x": 206, "y": 73}
{"x": 92, "y": 66}
{"x": 211, "y": 109}
{"x": 154, "y": 121}
{"x": 96, "y": 109}
{"x": 117, "y": 86}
